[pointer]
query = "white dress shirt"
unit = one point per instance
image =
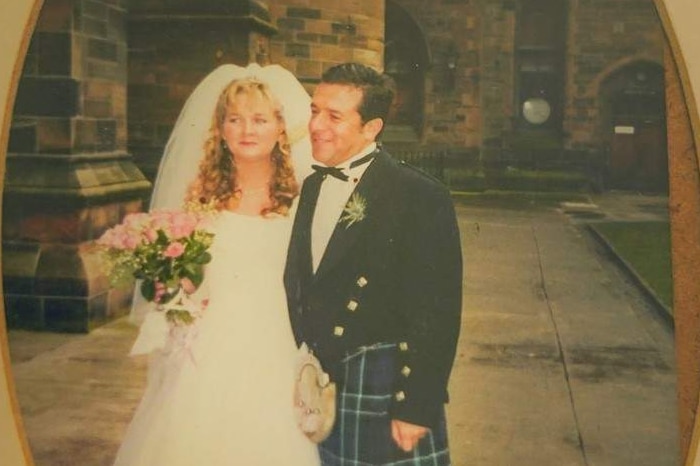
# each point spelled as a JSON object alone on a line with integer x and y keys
{"x": 332, "y": 199}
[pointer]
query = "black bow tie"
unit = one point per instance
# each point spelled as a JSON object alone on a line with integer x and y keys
{"x": 338, "y": 172}
{"x": 335, "y": 172}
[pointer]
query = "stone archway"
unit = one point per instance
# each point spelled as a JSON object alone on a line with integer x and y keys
{"x": 633, "y": 127}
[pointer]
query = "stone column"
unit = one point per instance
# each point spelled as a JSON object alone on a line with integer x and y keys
{"x": 496, "y": 78}
{"x": 69, "y": 176}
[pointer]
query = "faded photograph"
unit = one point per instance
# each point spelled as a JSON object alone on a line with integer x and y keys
{"x": 484, "y": 279}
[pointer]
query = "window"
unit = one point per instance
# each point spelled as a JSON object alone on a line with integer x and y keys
{"x": 539, "y": 46}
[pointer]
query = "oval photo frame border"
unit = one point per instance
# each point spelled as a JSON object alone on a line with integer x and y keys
{"x": 17, "y": 22}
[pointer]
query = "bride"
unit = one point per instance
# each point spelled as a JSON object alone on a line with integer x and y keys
{"x": 219, "y": 391}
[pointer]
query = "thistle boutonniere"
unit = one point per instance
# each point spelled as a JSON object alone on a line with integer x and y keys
{"x": 354, "y": 210}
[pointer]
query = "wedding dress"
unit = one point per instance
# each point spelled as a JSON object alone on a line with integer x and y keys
{"x": 220, "y": 392}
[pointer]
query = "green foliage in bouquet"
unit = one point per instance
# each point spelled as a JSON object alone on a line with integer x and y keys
{"x": 166, "y": 251}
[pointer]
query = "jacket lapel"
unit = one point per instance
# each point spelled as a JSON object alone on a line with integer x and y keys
{"x": 299, "y": 266}
{"x": 345, "y": 236}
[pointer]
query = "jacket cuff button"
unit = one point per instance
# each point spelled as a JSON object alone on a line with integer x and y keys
{"x": 400, "y": 396}
{"x": 362, "y": 282}
{"x": 403, "y": 346}
{"x": 352, "y": 305}
{"x": 338, "y": 331}
{"x": 406, "y": 371}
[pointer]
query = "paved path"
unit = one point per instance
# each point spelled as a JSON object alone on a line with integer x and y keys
{"x": 561, "y": 360}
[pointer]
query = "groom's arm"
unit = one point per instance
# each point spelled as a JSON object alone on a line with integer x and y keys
{"x": 430, "y": 299}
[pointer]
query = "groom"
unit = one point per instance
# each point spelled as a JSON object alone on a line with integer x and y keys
{"x": 374, "y": 280}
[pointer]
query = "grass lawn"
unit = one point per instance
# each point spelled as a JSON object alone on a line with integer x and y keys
{"x": 646, "y": 247}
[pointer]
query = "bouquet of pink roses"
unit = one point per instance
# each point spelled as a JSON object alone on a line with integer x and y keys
{"x": 166, "y": 250}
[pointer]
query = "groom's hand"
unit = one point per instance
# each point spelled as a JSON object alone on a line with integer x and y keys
{"x": 407, "y": 435}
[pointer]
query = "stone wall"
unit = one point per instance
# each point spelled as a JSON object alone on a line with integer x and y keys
{"x": 604, "y": 36}
{"x": 453, "y": 110}
{"x": 469, "y": 104}
{"x": 73, "y": 93}
{"x": 172, "y": 46}
{"x": 316, "y": 34}
{"x": 313, "y": 35}
{"x": 68, "y": 174}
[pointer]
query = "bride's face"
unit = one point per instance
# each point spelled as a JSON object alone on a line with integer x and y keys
{"x": 251, "y": 128}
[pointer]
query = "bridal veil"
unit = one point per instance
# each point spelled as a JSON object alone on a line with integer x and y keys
{"x": 185, "y": 147}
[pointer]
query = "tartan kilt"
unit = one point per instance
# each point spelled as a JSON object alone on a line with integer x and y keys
{"x": 361, "y": 435}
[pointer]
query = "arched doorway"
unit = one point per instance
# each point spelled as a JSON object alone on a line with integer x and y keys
{"x": 634, "y": 127}
{"x": 406, "y": 61}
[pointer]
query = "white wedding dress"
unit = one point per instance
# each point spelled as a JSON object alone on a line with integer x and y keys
{"x": 221, "y": 395}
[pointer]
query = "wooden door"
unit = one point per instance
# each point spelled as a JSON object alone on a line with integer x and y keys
{"x": 638, "y": 156}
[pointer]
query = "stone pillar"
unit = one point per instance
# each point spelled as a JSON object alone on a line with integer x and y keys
{"x": 173, "y": 45}
{"x": 496, "y": 78}
{"x": 69, "y": 176}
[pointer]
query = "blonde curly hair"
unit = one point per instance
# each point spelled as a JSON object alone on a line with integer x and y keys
{"x": 216, "y": 182}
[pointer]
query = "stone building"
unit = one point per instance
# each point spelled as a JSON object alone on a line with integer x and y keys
{"x": 490, "y": 92}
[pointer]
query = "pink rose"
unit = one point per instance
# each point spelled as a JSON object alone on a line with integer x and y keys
{"x": 130, "y": 242}
{"x": 107, "y": 239}
{"x": 182, "y": 225}
{"x": 121, "y": 238}
{"x": 151, "y": 235}
{"x": 174, "y": 250}
{"x": 160, "y": 219}
{"x": 136, "y": 221}
{"x": 187, "y": 285}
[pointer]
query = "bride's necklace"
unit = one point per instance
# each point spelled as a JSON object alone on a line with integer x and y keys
{"x": 240, "y": 192}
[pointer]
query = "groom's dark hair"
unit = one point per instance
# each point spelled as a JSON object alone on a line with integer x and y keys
{"x": 377, "y": 88}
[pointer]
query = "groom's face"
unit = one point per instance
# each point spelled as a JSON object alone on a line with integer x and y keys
{"x": 336, "y": 128}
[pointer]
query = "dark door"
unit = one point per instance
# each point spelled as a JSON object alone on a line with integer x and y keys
{"x": 638, "y": 157}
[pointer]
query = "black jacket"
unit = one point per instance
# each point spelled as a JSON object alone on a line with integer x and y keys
{"x": 395, "y": 276}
